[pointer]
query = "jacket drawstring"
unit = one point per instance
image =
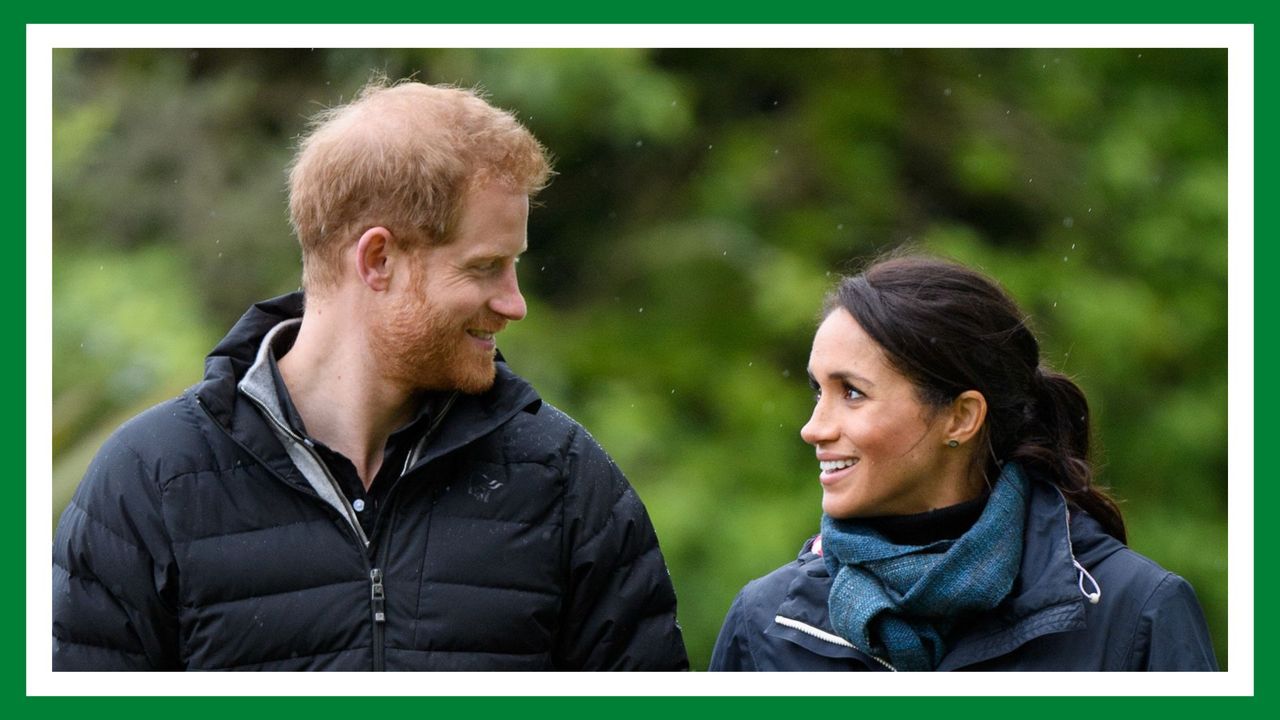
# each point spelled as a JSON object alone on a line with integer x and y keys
{"x": 1094, "y": 596}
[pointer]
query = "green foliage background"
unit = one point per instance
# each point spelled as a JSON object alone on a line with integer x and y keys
{"x": 705, "y": 201}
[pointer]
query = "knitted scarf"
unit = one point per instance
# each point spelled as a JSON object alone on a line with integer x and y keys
{"x": 900, "y": 601}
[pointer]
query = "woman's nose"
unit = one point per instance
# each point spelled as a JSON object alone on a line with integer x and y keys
{"x": 819, "y": 429}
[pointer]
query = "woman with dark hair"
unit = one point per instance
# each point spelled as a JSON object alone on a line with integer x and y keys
{"x": 961, "y": 527}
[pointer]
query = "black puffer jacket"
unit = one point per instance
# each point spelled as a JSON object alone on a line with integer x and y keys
{"x": 1144, "y": 617}
{"x": 512, "y": 542}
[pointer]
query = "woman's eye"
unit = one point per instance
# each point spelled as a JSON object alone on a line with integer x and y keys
{"x": 852, "y": 393}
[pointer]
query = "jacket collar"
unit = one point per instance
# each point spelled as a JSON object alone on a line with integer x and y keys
{"x": 469, "y": 417}
{"x": 1045, "y": 598}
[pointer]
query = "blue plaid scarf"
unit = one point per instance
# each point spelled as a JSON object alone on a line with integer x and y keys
{"x": 900, "y": 601}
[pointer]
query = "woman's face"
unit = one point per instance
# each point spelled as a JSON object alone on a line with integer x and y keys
{"x": 880, "y": 450}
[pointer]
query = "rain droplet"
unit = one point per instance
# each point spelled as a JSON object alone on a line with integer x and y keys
{"x": 1090, "y": 209}
{"x": 639, "y": 143}
{"x": 544, "y": 267}
{"x": 1029, "y": 179}
{"x": 726, "y": 252}
{"x": 1064, "y": 258}
{"x": 1055, "y": 304}
{"x": 673, "y": 391}
{"x": 1073, "y": 246}
{"x": 1068, "y": 222}
{"x": 775, "y": 151}
{"x": 673, "y": 103}
{"x": 840, "y": 226}
{"x": 750, "y": 364}
{"x": 947, "y": 92}
{"x": 642, "y": 309}
{"x": 786, "y": 373}
{"x": 710, "y": 146}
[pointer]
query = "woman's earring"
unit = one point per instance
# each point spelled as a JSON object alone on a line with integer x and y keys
{"x": 953, "y": 443}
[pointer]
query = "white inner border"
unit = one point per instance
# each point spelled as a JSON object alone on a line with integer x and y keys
{"x": 41, "y": 39}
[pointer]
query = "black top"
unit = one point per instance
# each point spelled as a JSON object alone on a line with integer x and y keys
{"x": 367, "y": 503}
{"x": 946, "y": 523}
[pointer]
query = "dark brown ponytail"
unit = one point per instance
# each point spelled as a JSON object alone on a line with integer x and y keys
{"x": 1056, "y": 442}
{"x": 951, "y": 329}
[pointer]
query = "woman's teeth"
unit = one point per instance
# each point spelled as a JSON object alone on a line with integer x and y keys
{"x": 834, "y": 465}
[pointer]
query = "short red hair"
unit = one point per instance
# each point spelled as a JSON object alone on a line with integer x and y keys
{"x": 401, "y": 156}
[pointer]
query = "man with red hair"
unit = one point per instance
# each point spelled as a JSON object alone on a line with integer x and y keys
{"x": 360, "y": 482}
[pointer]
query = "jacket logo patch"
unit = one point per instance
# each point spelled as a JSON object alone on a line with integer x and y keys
{"x": 482, "y": 486}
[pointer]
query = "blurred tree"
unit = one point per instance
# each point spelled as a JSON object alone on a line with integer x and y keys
{"x": 705, "y": 201}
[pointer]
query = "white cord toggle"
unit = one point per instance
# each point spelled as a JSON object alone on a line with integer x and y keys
{"x": 1094, "y": 596}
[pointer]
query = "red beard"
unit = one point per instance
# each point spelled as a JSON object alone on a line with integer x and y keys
{"x": 419, "y": 345}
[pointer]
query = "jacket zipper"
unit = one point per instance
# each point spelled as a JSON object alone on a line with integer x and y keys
{"x": 377, "y": 591}
{"x": 378, "y": 603}
{"x": 825, "y": 636}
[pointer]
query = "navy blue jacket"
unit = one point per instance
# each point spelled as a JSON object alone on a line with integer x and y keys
{"x": 510, "y": 542}
{"x": 1146, "y": 618}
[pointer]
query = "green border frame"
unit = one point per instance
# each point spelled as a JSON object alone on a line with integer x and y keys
{"x": 1069, "y": 704}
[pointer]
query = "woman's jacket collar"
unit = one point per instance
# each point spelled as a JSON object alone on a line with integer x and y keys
{"x": 1045, "y": 598}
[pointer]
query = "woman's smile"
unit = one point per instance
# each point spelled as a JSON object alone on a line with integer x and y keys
{"x": 833, "y": 471}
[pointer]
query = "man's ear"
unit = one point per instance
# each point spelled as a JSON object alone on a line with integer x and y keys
{"x": 967, "y": 413}
{"x": 373, "y": 265}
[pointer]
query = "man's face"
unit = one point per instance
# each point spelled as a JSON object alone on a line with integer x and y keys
{"x": 438, "y": 333}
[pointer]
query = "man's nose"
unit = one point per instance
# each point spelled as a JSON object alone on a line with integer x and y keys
{"x": 509, "y": 303}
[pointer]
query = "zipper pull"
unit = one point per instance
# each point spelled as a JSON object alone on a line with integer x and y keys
{"x": 379, "y": 597}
